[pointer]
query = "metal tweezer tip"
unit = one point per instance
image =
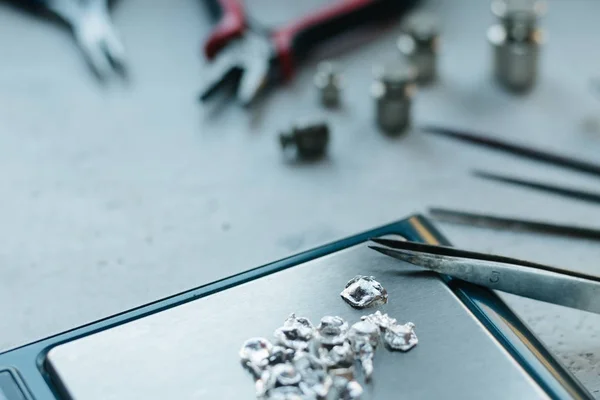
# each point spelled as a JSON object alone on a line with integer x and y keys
{"x": 386, "y": 242}
{"x": 407, "y": 256}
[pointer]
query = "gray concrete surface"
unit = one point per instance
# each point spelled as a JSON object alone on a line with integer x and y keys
{"x": 115, "y": 196}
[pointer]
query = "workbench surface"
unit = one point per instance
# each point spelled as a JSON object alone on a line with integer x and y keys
{"x": 116, "y": 195}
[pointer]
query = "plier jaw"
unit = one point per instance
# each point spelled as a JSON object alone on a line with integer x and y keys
{"x": 246, "y": 62}
{"x": 253, "y": 59}
{"x": 92, "y": 29}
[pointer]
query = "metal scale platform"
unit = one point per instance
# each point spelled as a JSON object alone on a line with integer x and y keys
{"x": 471, "y": 346}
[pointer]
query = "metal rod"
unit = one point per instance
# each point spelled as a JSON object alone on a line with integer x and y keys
{"x": 518, "y": 149}
{"x": 590, "y": 197}
{"x": 422, "y": 248}
{"x": 513, "y": 224}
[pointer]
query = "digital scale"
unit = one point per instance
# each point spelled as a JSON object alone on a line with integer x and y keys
{"x": 471, "y": 345}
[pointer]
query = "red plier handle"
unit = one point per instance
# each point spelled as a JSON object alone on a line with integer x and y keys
{"x": 232, "y": 24}
{"x": 296, "y": 40}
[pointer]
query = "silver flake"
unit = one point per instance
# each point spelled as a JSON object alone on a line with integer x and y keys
{"x": 255, "y": 353}
{"x": 315, "y": 382}
{"x": 343, "y": 372}
{"x": 280, "y": 355}
{"x": 304, "y": 360}
{"x": 337, "y": 356}
{"x": 384, "y": 321}
{"x": 364, "y": 331}
{"x": 345, "y": 389}
{"x": 284, "y": 375}
{"x": 364, "y": 291}
{"x": 364, "y": 336}
{"x": 400, "y": 337}
{"x": 332, "y": 331}
{"x": 285, "y": 393}
{"x": 295, "y": 333}
{"x": 353, "y": 391}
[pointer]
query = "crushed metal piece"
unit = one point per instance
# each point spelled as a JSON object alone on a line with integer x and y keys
{"x": 261, "y": 384}
{"x": 353, "y": 391}
{"x": 318, "y": 364}
{"x": 364, "y": 291}
{"x": 395, "y": 336}
{"x": 365, "y": 358}
{"x": 364, "y": 331}
{"x": 346, "y": 373}
{"x": 316, "y": 383}
{"x": 384, "y": 321}
{"x": 285, "y": 393}
{"x": 284, "y": 375}
{"x": 255, "y": 353}
{"x": 304, "y": 360}
{"x": 332, "y": 331}
{"x": 337, "y": 356}
{"x": 364, "y": 336}
{"x": 280, "y": 355}
{"x": 295, "y": 333}
{"x": 400, "y": 337}
{"x": 346, "y": 389}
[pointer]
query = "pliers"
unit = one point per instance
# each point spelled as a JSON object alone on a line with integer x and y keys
{"x": 249, "y": 57}
{"x": 93, "y": 30}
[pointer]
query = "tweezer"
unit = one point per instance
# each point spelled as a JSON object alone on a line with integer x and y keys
{"x": 524, "y": 278}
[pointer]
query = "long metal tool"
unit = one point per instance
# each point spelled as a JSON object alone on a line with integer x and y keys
{"x": 590, "y": 197}
{"x": 517, "y": 149}
{"x": 253, "y": 58}
{"x": 524, "y": 278}
{"x": 513, "y": 224}
{"x": 93, "y": 30}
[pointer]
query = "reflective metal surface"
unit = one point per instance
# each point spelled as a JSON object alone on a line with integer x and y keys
{"x": 191, "y": 351}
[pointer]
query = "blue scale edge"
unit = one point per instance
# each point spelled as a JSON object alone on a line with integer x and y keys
{"x": 28, "y": 362}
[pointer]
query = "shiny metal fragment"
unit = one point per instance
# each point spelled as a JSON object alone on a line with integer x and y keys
{"x": 364, "y": 332}
{"x": 336, "y": 356}
{"x": 365, "y": 358}
{"x": 315, "y": 383}
{"x": 318, "y": 364}
{"x": 345, "y": 389}
{"x": 278, "y": 375}
{"x": 332, "y": 330}
{"x": 280, "y": 355}
{"x": 353, "y": 391}
{"x": 364, "y": 337}
{"x": 284, "y": 375}
{"x": 400, "y": 337}
{"x": 364, "y": 291}
{"x": 295, "y": 333}
{"x": 343, "y": 372}
{"x": 304, "y": 360}
{"x": 285, "y": 393}
{"x": 254, "y": 354}
{"x": 384, "y": 321}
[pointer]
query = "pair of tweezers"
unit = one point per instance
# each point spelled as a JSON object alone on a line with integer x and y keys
{"x": 536, "y": 281}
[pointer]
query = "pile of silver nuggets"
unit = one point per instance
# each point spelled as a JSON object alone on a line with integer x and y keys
{"x": 318, "y": 363}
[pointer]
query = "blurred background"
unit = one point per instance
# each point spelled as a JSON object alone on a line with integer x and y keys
{"x": 122, "y": 190}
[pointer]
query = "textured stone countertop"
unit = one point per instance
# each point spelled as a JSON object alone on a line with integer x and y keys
{"x": 115, "y": 195}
